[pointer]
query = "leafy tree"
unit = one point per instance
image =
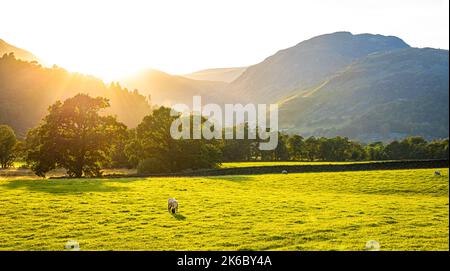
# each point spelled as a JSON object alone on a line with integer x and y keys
{"x": 408, "y": 148}
{"x": 7, "y": 146}
{"x": 296, "y": 147}
{"x": 328, "y": 149}
{"x": 375, "y": 151}
{"x": 281, "y": 151}
{"x": 395, "y": 150}
{"x": 416, "y": 147}
{"x": 312, "y": 148}
{"x": 356, "y": 152}
{"x": 156, "y": 151}
{"x": 239, "y": 150}
{"x": 133, "y": 150}
{"x": 155, "y": 143}
{"x": 236, "y": 150}
{"x": 74, "y": 136}
{"x": 119, "y": 158}
{"x": 438, "y": 149}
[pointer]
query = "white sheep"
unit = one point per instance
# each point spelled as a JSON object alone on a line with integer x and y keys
{"x": 172, "y": 205}
{"x": 284, "y": 172}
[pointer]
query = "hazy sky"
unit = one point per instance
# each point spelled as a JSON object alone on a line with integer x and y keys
{"x": 110, "y": 38}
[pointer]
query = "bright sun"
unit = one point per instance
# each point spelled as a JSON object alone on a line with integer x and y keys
{"x": 107, "y": 68}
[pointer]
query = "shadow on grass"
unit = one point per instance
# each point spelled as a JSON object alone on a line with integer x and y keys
{"x": 64, "y": 186}
{"x": 178, "y": 216}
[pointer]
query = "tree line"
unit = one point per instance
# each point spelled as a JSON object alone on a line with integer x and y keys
{"x": 297, "y": 148}
{"x": 77, "y": 136}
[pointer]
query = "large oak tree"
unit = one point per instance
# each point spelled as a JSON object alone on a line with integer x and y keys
{"x": 74, "y": 136}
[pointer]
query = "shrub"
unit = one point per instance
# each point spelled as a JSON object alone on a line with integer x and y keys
{"x": 152, "y": 165}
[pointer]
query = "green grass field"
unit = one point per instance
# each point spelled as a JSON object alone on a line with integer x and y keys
{"x": 288, "y": 163}
{"x": 401, "y": 209}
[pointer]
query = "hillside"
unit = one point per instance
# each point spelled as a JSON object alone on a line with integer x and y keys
{"x": 28, "y": 89}
{"x": 383, "y": 96}
{"x": 219, "y": 74}
{"x": 166, "y": 89}
{"x": 6, "y": 48}
{"x": 307, "y": 64}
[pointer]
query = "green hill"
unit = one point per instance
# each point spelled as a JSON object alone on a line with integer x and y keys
{"x": 383, "y": 96}
{"x": 307, "y": 64}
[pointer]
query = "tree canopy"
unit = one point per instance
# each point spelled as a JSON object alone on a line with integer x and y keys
{"x": 7, "y": 143}
{"x": 74, "y": 136}
{"x": 154, "y": 149}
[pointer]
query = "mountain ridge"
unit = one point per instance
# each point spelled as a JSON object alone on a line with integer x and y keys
{"x": 226, "y": 75}
{"x": 166, "y": 89}
{"x": 6, "y": 48}
{"x": 307, "y": 63}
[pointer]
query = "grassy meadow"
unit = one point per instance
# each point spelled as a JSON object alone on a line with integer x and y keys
{"x": 401, "y": 209}
{"x": 287, "y": 163}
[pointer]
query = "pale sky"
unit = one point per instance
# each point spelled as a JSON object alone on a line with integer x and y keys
{"x": 114, "y": 38}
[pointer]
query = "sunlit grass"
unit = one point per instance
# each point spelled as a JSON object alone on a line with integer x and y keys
{"x": 19, "y": 164}
{"x": 401, "y": 209}
{"x": 290, "y": 163}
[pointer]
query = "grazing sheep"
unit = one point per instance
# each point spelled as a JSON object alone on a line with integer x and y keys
{"x": 172, "y": 205}
{"x": 284, "y": 172}
{"x": 437, "y": 173}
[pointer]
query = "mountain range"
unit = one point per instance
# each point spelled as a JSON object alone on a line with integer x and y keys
{"x": 366, "y": 87}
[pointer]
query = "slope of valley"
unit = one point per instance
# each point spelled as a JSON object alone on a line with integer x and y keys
{"x": 6, "y": 48}
{"x": 166, "y": 89}
{"x": 226, "y": 75}
{"x": 28, "y": 89}
{"x": 383, "y": 96}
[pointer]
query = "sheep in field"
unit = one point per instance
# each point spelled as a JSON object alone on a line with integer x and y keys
{"x": 437, "y": 173}
{"x": 172, "y": 205}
